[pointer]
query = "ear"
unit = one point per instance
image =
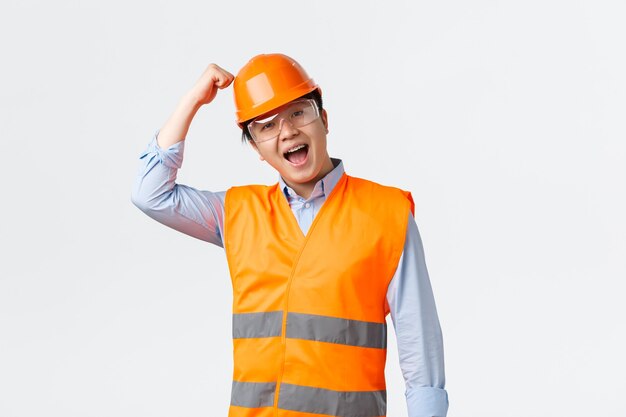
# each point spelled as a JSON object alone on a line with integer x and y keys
{"x": 254, "y": 146}
{"x": 325, "y": 119}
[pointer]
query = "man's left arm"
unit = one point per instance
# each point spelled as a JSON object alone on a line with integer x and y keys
{"x": 419, "y": 337}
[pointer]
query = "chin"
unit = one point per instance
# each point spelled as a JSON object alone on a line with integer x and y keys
{"x": 304, "y": 177}
{"x": 300, "y": 179}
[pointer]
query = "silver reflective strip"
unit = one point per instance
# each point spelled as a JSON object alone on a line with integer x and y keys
{"x": 264, "y": 324}
{"x": 335, "y": 403}
{"x": 253, "y": 394}
{"x": 337, "y": 330}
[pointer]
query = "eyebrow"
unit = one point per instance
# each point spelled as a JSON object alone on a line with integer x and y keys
{"x": 275, "y": 112}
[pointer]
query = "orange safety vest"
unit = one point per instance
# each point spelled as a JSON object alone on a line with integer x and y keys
{"x": 309, "y": 329}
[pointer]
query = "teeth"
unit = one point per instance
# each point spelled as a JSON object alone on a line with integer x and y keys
{"x": 295, "y": 149}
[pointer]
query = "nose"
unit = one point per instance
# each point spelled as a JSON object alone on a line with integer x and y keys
{"x": 287, "y": 130}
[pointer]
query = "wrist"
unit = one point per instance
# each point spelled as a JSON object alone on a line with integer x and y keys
{"x": 192, "y": 100}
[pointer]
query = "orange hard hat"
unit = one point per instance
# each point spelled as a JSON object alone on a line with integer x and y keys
{"x": 268, "y": 81}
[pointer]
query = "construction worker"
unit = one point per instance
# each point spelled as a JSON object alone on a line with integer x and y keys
{"x": 317, "y": 260}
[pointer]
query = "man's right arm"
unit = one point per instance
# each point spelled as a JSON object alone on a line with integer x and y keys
{"x": 197, "y": 213}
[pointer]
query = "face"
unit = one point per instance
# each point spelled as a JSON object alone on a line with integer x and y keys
{"x": 302, "y": 167}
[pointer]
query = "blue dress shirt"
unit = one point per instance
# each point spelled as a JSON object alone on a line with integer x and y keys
{"x": 200, "y": 214}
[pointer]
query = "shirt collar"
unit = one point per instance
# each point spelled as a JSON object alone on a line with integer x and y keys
{"x": 324, "y": 186}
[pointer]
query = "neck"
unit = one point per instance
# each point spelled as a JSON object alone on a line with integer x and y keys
{"x": 305, "y": 189}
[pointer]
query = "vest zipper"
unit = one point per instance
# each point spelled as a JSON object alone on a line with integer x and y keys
{"x": 283, "y": 336}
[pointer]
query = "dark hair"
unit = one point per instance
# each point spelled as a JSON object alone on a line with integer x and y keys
{"x": 315, "y": 95}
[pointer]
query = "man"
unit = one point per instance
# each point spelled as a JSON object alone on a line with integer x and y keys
{"x": 317, "y": 260}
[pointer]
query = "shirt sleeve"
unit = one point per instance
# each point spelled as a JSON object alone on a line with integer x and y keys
{"x": 197, "y": 213}
{"x": 420, "y": 343}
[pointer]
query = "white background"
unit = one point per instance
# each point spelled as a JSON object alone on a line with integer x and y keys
{"x": 504, "y": 119}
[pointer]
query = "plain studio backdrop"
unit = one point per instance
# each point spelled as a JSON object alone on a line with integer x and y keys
{"x": 504, "y": 119}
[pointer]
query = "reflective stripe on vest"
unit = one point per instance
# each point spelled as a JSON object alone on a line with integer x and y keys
{"x": 310, "y": 400}
{"x": 253, "y": 394}
{"x": 309, "y": 328}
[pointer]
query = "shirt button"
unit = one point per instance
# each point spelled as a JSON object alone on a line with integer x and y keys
{"x": 307, "y": 205}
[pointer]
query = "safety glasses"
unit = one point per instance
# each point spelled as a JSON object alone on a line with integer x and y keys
{"x": 299, "y": 113}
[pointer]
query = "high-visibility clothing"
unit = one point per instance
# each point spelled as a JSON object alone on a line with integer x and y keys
{"x": 309, "y": 329}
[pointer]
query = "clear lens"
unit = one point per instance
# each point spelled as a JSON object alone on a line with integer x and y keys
{"x": 299, "y": 113}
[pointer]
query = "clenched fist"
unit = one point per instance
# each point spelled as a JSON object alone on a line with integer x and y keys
{"x": 212, "y": 78}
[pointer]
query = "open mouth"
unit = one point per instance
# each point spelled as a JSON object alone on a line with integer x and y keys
{"x": 298, "y": 155}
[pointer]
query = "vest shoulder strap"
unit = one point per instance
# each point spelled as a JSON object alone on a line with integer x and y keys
{"x": 387, "y": 193}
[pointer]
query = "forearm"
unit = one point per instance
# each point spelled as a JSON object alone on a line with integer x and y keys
{"x": 176, "y": 127}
